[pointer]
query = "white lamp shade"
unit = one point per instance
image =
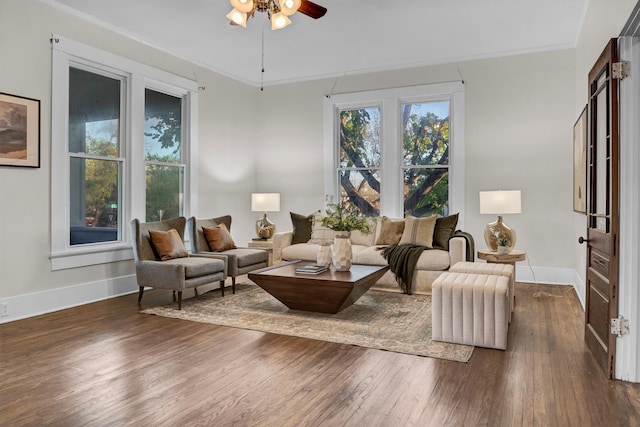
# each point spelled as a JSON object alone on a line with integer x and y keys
{"x": 500, "y": 202}
{"x": 238, "y": 17}
{"x": 242, "y": 5}
{"x": 265, "y": 202}
{"x": 279, "y": 20}
{"x": 289, "y": 7}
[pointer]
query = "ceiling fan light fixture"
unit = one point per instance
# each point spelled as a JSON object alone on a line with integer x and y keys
{"x": 237, "y": 17}
{"x": 242, "y": 5}
{"x": 289, "y": 7}
{"x": 279, "y": 20}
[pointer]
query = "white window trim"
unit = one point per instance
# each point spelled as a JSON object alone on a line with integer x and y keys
{"x": 66, "y": 52}
{"x": 391, "y": 100}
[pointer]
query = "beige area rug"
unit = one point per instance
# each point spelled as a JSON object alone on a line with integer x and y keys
{"x": 381, "y": 320}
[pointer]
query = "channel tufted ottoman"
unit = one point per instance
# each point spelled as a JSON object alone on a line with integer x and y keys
{"x": 490, "y": 268}
{"x": 471, "y": 309}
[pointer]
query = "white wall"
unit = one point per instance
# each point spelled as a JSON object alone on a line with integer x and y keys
{"x": 519, "y": 115}
{"x": 226, "y": 165}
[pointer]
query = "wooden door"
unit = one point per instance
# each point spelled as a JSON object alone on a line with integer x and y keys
{"x": 602, "y": 211}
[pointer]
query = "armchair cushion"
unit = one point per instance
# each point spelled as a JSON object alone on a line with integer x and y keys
{"x": 168, "y": 244}
{"x": 218, "y": 238}
{"x": 196, "y": 267}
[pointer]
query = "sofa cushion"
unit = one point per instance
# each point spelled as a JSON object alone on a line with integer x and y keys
{"x": 305, "y": 251}
{"x": 359, "y": 238}
{"x": 168, "y": 244}
{"x": 218, "y": 238}
{"x": 390, "y": 231}
{"x": 418, "y": 231}
{"x": 433, "y": 260}
{"x": 445, "y": 227}
{"x": 301, "y": 227}
{"x": 371, "y": 256}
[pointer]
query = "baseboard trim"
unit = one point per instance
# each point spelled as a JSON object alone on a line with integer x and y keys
{"x": 35, "y": 304}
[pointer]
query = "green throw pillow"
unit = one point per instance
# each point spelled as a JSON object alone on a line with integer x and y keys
{"x": 301, "y": 227}
{"x": 445, "y": 227}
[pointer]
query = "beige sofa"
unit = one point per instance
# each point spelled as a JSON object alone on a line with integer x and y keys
{"x": 430, "y": 265}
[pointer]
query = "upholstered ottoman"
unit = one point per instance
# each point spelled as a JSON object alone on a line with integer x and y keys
{"x": 471, "y": 309}
{"x": 490, "y": 268}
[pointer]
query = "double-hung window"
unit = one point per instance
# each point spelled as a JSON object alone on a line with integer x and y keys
{"x": 397, "y": 152}
{"x": 121, "y": 149}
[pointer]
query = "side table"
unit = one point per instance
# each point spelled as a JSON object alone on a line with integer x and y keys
{"x": 267, "y": 245}
{"x": 510, "y": 258}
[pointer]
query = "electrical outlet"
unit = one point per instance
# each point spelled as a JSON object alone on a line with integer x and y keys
{"x": 4, "y": 309}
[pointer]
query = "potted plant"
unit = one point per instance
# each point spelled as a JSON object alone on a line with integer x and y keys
{"x": 343, "y": 220}
{"x": 503, "y": 245}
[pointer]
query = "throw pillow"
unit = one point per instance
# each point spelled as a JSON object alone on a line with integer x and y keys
{"x": 218, "y": 238}
{"x": 419, "y": 231}
{"x": 168, "y": 244}
{"x": 445, "y": 227}
{"x": 390, "y": 231}
{"x": 301, "y": 227}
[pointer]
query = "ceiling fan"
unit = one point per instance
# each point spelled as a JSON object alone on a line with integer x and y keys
{"x": 278, "y": 11}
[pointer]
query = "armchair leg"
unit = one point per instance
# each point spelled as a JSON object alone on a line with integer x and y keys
{"x": 222, "y": 287}
{"x": 233, "y": 285}
{"x": 174, "y": 296}
{"x": 196, "y": 291}
{"x": 140, "y": 292}
{"x": 179, "y": 300}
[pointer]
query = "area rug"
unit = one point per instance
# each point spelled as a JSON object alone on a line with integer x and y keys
{"x": 381, "y": 320}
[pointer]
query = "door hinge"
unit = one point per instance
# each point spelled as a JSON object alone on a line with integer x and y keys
{"x": 619, "y": 326}
{"x": 620, "y": 70}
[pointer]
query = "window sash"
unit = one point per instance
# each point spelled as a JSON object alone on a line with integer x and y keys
{"x": 391, "y": 101}
{"x": 66, "y": 53}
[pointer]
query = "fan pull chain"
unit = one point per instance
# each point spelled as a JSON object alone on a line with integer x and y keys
{"x": 262, "y": 64}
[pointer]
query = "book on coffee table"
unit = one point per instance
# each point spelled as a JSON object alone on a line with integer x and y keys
{"x": 311, "y": 269}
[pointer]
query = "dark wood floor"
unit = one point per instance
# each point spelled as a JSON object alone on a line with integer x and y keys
{"x": 106, "y": 364}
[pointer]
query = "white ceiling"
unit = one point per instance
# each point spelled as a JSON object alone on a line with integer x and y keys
{"x": 355, "y": 36}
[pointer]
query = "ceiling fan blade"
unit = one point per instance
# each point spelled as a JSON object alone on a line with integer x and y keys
{"x": 311, "y": 9}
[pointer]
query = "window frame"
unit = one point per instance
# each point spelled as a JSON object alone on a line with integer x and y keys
{"x": 137, "y": 77}
{"x": 390, "y": 102}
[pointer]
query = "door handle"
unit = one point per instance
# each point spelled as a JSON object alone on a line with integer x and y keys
{"x": 581, "y": 240}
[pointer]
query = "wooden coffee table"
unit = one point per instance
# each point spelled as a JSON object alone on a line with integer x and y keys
{"x": 328, "y": 292}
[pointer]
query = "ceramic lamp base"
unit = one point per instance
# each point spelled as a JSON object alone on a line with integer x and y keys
{"x": 498, "y": 230}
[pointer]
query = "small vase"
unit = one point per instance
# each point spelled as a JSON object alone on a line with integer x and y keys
{"x": 503, "y": 250}
{"x": 324, "y": 254}
{"x": 341, "y": 251}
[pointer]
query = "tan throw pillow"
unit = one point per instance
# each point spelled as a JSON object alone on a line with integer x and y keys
{"x": 419, "y": 231}
{"x": 168, "y": 244}
{"x": 445, "y": 227}
{"x": 390, "y": 231}
{"x": 218, "y": 238}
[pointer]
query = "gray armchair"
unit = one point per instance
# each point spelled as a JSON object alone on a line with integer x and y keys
{"x": 176, "y": 274}
{"x": 239, "y": 261}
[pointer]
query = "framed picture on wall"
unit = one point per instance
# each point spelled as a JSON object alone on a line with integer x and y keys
{"x": 580, "y": 163}
{"x": 19, "y": 131}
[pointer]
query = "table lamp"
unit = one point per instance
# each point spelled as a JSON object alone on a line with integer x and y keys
{"x": 500, "y": 203}
{"x": 265, "y": 202}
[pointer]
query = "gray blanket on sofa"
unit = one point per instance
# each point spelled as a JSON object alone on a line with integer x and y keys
{"x": 402, "y": 261}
